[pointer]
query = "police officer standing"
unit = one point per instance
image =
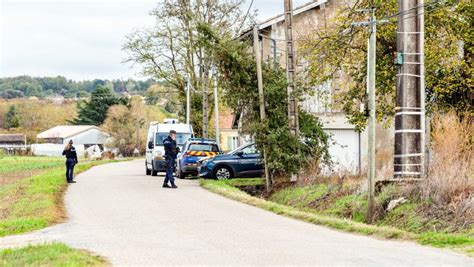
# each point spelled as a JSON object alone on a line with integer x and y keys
{"x": 71, "y": 160}
{"x": 171, "y": 151}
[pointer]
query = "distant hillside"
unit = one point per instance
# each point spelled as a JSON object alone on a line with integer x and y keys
{"x": 26, "y": 86}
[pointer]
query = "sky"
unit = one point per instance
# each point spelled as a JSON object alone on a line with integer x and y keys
{"x": 80, "y": 39}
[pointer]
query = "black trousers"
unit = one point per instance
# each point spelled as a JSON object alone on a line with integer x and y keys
{"x": 70, "y": 162}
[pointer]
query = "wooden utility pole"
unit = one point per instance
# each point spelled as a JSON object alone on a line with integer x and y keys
{"x": 258, "y": 59}
{"x": 291, "y": 68}
{"x": 205, "y": 101}
{"x": 409, "y": 158}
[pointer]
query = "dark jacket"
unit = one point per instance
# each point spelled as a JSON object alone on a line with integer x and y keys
{"x": 171, "y": 149}
{"x": 70, "y": 153}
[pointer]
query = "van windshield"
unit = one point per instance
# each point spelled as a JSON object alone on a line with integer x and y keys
{"x": 181, "y": 138}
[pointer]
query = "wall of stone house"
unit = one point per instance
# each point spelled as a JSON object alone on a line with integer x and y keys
{"x": 303, "y": 25}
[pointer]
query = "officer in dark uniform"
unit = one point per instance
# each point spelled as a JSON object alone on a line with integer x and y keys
{"x": 171, "y": 151}
{"x": 71, "y": 160}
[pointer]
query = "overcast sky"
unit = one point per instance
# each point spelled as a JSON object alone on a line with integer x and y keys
{"x": 79, "y": 39}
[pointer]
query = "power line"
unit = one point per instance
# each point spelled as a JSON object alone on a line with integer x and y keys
{"x": 245, "y": 17}
{"x": 413, "y": 9}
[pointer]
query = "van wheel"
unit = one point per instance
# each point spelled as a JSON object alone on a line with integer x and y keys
{"x": 148, "y": 172}
{"x": 153, "y": 172}
{"x": 223, "y": 173}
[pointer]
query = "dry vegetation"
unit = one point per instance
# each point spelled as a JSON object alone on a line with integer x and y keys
{"x": 37, "y": 115}
{"x": 449, "y": 186}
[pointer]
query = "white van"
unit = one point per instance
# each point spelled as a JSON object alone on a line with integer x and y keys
{"x": 155, "y": 151}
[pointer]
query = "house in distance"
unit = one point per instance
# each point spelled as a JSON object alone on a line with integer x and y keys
{"x": 52, "y": 141}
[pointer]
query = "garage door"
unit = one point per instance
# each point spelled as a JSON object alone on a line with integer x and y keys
{"x": 344, "y": 149}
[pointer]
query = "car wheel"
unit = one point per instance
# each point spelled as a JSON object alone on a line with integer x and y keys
{"x": 180, "y": 174}
{"x": 223, "y": 173}
{"x": 153, "y": 172}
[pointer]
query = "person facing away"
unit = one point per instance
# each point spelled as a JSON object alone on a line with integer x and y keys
{"x": 71, "y": 160}
{"x": 171, "y": 151}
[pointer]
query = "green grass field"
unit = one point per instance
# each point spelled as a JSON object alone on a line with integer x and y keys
{"x": 16, "y": 164}
{"x": 49, "y": 255}
{"x": 34, "y": 202}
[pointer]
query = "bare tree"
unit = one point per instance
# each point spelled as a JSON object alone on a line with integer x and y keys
{"x": 170, "y": 51}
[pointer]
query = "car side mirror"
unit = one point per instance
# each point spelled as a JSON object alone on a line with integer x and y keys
{"x": 150, "y": 145}
{"x": 240, "y": 153}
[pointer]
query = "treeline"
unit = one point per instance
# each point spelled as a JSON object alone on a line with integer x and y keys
{"x": 26, "y": 86}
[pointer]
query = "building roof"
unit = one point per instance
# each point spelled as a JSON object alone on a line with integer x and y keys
{"x": 12, "y": 138}
{"x": 281, "y": 17}
{"x": 65, "y": 131}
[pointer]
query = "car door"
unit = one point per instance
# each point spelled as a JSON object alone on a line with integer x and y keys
{"x": 250, "y": 162}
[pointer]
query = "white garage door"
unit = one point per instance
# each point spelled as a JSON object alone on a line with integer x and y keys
{"x": 344, "y": 149}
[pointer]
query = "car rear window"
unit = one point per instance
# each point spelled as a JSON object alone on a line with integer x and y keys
{"x": 203, "y": 147}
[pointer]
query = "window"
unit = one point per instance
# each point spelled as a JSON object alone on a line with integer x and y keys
{"x": 181, "y": 138}
{"x": 232, "y": 142}
{"x": 203, "y": 147}
{"x": 250, "y": 150}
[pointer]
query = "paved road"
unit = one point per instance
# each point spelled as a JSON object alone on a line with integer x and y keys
{"x": 118, "y": 212}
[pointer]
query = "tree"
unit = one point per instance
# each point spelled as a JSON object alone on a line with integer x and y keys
{"x": 338, "y": 49}
{"x": 127, "y": 126}
{"x": 94, "y": 111}
{"x": 12, "y": 118}
{"x": 286, "y": 153}
{"x": 171, "y": 52}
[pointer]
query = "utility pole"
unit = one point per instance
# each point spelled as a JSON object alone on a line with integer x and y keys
{"x": 188, "y": 100}
{"x": 410, "y": 128}
{"x": 371, "y": 93}
{"x": 372, "y": 119}
{"x": 291, "y": 70}
{"x": 205, "y": 101}
{"x": 258, "y": 59}
{"x": 216, "y": 109}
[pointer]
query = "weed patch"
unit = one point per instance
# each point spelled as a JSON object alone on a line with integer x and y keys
{"x": 56, "y": 254}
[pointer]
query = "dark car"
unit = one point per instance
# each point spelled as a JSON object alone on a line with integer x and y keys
{"x": 194, "y": 150}
{"x": 244, "y": 161}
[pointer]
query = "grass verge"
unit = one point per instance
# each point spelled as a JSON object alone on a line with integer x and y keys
{"x": 35, "y": 202}
{"x": 227, "y": 190}
{"x": 460, "y": 243}
{"x": 55, "y": 254}
{"x": 15, "y": 164}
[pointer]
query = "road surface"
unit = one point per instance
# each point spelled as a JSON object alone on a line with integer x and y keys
{"x": 118, "y": 212}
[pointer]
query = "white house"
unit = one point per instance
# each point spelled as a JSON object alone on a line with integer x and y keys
{"x": 52, "y": 141}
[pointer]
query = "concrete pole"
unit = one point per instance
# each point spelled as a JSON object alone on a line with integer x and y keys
{"x": 410, "y": 114}
{"x": 188, "y": 100}
{"x": 291, "y": 68}
{"x": 372, "y": 116}
{"x": 216, "y": 109}
{"x": 205, "y": 102}
{"x": 261, "y": 98}
{"x": 293, "y": 115}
